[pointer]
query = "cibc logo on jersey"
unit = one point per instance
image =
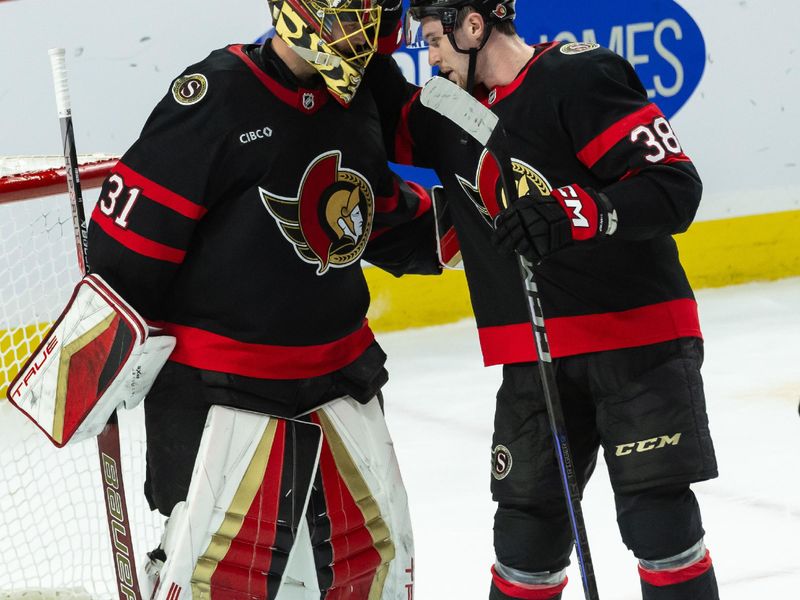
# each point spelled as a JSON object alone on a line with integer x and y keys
{"x": 329, "y": 221}
{"x": 486, "y": 191}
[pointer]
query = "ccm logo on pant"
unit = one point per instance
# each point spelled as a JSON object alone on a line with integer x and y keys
{"x": 647, "y": 445}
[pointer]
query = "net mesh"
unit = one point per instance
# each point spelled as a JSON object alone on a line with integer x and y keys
{"x": 55, "y": 541}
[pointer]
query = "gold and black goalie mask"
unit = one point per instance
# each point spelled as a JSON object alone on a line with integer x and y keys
{"x": 337, "y": 37}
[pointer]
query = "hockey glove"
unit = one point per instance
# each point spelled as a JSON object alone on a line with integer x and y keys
{"x": 536, "y": 225}
{"x": 390, "y": 31}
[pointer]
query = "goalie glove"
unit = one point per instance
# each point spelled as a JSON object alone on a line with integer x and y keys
{"x": 98, "y": 356}
{"x": 536, "y": 225}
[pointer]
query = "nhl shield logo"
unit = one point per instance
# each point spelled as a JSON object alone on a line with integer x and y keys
{"x": 330, "y": 220}
{"x": 502, "y": 462}
{"x": 308, "y": 101}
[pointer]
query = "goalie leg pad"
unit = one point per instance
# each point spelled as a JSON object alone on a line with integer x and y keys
{"x": 360, "y": 524}
{"x": 98, "y": 356}
{"x": 253, "y": 524}
{"x": 236, "y": 533}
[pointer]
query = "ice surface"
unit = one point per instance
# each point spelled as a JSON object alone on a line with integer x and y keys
{"x": 440, "y": 404}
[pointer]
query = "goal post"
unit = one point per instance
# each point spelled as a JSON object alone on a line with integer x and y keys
{"x": 53, "y": 524}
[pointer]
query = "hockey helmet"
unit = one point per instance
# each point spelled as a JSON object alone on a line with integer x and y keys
{"x": 494, "y": 11}
{"x": 336, "y": 37}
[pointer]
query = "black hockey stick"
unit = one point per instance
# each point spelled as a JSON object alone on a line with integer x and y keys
{"x": 108, "y": 446}
{"x": 454, "y": 103}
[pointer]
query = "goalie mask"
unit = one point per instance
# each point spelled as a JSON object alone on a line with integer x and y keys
{"x": 493, "y": 11}
{"x": 336, "y": 37}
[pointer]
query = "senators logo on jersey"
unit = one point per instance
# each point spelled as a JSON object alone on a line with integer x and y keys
{"x": 330, "y": 220}
{"x": 486, "y": 192}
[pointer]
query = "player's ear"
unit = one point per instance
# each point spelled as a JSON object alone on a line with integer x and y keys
{"x": 475, "y": 25}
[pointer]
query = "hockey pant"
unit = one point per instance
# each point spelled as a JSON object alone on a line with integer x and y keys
{"x": 645, "y": 407}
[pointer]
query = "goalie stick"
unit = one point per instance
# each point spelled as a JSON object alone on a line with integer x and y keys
{"x": 452, "y": 102}
{"x": 108, "y": 446}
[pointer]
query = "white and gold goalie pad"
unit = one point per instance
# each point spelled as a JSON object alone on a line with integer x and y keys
{"x": 99, "y": 355}
{"x": 285, "y": 509}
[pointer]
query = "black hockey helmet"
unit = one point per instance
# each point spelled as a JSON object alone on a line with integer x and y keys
{"x": 493, "y": 11}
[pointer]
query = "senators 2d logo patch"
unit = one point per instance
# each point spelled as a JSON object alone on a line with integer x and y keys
{"x": 501, "y": 462}
{"x": 190, "y": 89}
{"x": 578, "y": 47}
{"x": 329, "y": 221}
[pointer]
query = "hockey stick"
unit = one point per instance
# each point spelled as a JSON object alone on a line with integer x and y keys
{"x": 108, "y": 446}
{"x": 454, "y": 103}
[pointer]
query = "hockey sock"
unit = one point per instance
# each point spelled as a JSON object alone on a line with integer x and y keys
{"x": 693, "y": 581}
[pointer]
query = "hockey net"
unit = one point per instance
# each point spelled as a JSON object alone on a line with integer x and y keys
{"x": 54, "y": 540}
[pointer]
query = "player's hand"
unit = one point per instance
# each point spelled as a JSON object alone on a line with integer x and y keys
{"x": 537, "y": 225}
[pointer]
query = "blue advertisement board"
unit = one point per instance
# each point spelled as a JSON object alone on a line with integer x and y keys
{"x": 658, "y": 37}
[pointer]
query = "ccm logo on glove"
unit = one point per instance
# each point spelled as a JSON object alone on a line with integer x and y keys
{"x": 537, "y": 225}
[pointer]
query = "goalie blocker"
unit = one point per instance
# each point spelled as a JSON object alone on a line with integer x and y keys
{"x": 289, "y": 509}
{"x": 99, "y": 355}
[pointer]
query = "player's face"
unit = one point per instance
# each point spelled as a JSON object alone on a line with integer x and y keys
{"x": 452, "y": 64}
{"x": 352, "y": 33}
{"x": 352, "y": 40}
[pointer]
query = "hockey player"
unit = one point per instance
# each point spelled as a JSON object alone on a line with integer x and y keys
{"x": 237, "y": 223}
{"x": 603, "y": 184}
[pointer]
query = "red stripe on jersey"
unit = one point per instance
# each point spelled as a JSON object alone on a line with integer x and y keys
{"x": 599, "y": 146}
{"x": 245, "y": 568}
{"x": 500, "y": 92}
{"x": 403, "y": 142}
{"x": 667, "y": 161}
{"x": 135, "y": 242}
{"x": 159, "y": 194}
{"x": 213, "y": 352}
{"x": 527, "y": 592}
{"x": 568, "y": 336}
{"x": 293, "y": 98}
{"x": 676, "y": 576}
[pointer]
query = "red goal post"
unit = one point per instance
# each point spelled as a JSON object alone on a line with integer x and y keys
{"x": 27, "y": 177}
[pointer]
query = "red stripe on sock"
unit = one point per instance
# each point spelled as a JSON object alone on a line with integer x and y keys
{"x": 676, "y": 576}
{"x": 527, "y": 592}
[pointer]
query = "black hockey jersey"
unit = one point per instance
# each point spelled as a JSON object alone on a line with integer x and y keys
{"x": 576, "y": 115}
{"x": 239, "y": 219}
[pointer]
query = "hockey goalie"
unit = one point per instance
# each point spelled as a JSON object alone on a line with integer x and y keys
{"x": 227, "y": 295}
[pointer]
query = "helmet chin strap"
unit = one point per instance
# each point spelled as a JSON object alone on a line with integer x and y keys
{"x": 319, "y": 58}
{"x": 473, "y": 54}
{"x": 473, "y": 61}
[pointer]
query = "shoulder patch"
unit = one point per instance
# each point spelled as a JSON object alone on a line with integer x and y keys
{"x": 578, "y": 47}
{"x": 190, "y": 89}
